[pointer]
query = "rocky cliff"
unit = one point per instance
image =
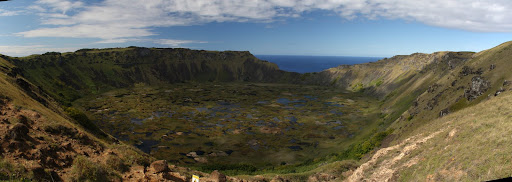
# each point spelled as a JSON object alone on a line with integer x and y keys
{"x": 88, "y": 71}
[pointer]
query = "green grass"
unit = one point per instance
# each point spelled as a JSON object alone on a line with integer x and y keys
{"x": 358, "y": 87}
{"x": 84, "y": 121}
{"x": 473, "y": 145}
{"x": 85, "y": 170}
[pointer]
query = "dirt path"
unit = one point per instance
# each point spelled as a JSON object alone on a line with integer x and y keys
{"x": 381, "y": 167}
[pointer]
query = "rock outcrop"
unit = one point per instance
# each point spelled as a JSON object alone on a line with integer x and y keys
{"x": 477, "y": 87}
{"x": 160, "y": 166}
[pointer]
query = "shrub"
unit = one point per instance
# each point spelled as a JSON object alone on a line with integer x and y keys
{"x": 131, "y": 157}
{"x": 358, "y": 87}
{"x": 378, "y": 83}
{"x": 410, "y": 117}
{"x": 115, "y": 163}
{"x": 12, "y": 172}
{"x": 85, "y": 170}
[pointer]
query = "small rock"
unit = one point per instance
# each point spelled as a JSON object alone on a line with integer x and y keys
{"x": 499, "y": 91}
{"x": 444, "y": 112}
{"x": 217, "y": 176}
{"x": 36, "y": 115}
{"x": 192, "y": 154}
{"x": 201, "y": 159}
{"x": 507, "y": 83}
{"x": 492, "y": 66}
{"x": 160, "y": 166}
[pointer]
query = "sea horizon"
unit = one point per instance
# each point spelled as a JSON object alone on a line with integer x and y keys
{"x": 312, "y": 63}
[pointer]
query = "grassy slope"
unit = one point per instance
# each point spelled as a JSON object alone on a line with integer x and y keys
{"x": 447, "y": 92}
{"x": 51, "y": 119}
{"x": 397, "y": 80}
{"x": 474, "y": 144}
{"x": 469, "y": 145}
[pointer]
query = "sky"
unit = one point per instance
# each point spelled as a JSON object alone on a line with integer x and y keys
{"x": 379, "y": 28}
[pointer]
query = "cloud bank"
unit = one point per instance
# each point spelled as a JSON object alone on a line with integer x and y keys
{"x": 13, "y": 50}
{"x": 117, "y": 21}
{"x": 8, "y": 13}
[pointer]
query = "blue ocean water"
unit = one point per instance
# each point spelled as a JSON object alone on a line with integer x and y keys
{"x": 306, "y": 64}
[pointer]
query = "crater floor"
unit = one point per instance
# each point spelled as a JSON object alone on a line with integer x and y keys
{"x": 198, "y": 124}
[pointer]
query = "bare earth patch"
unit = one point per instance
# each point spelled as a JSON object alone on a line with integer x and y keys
{"x": 382, "y": 166}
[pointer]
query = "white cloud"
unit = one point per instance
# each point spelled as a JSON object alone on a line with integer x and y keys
{"x": 89, "y": 31}
{"x": 112, "y": 41}
{"x": 177, "y": 43}
{"x": 59, "y": 5}
{"x": 17, "y": 50}
{"x": 9, "y": 13}
{"x": 121, "y": 20}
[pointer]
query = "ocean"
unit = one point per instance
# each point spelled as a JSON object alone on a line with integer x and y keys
{"x": 307, "y": 64}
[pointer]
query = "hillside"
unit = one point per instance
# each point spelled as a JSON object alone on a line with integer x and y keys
{"x": 42, "y": 142}
{"x": 471, "y": 144}
{"x": 435, "y": 117}
{"x": 452, "y": 127}
{"x": 69, "y": 76}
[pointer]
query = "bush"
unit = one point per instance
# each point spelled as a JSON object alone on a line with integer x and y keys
{"x": 378, "y": 83}
{"x": 115, "y": 163}
{"x": 358, "y": 87}
{"x": 12, "y": 172}
{"x": 85, "y": 170}
{"x": 131, "y": 157}
{"x": 84, "y": 121}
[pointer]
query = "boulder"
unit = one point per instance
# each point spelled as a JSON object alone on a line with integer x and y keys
{"x": 160, "y": 166}
{"x": 24, "y": 120}
{"x": 217, "y": 176}
{"x": 466, "y": 70}
{"x": 18, "y": 132}
{"x": 201, "y": 159}
{"x": 192, "y": 154}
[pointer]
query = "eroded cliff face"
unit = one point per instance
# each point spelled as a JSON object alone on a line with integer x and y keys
{"x": 71, "y": 75}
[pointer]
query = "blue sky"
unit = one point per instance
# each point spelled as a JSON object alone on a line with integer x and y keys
{"x": 379, "y": 28}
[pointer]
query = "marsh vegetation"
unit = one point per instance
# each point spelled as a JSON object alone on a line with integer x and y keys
{"x": 249, "y": 125}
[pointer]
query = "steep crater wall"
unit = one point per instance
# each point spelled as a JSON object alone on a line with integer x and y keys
{"x": 69, "y": 76}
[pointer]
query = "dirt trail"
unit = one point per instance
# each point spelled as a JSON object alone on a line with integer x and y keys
{"x": 381, "y": 167}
